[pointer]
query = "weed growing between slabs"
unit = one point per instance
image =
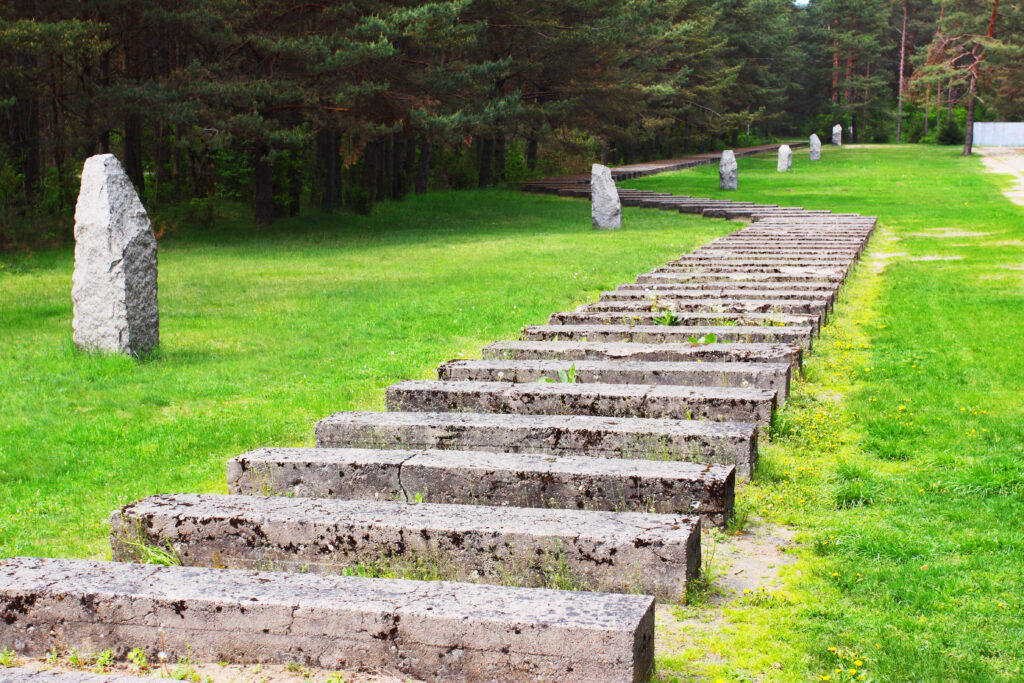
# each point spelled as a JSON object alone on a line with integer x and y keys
{"x": 263, "y": 333}
{"x": 900, "y": 459}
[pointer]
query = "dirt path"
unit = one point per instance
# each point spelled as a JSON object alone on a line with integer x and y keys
{"x": 1009, "y": 161}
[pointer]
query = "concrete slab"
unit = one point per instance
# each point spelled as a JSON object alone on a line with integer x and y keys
{"x": 489, "y": 478}
{"x": 426, "y": 629}
{"x": 722, "y": 404}
{"x": 724, "y": 443}
{"x": 594, "y": 550}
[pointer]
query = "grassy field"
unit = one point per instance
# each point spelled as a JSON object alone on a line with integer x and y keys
{"x": 264, "y": 334}
{"x": 900, "y": 461}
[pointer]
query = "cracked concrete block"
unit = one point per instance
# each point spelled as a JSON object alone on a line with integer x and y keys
{"x": 578, "y": 398}
{"x": 720, "y": 276}
{"x": 489, "y": 478}
{"x": 426, "y": 629}
{"x": 592, "y": 550}
{"x": 685, "y": 318}
{"x": 724, "y": 443}
{"x": 772, "y": 376}
{"x": 114, "y": 286}
{"x": 660, "y": 334}
{"x": 633, "y": 351}
{"x": 685, "y": 294}
{"x": 775, "y": 311}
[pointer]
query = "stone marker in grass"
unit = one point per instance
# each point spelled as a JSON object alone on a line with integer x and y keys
{"x": 605, "y": 207}
{"x": 113, "y": 288}
{"x": 815, "y": 147}
{"x": 837, "y": 135}
{"x": 728, "y": 171}
{"x": 785, "y": 159}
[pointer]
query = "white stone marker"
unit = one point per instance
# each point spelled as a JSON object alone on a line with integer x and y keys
{"x": 837, "y": 135}
{"x": 785, "y": 159}
{"x": 728, "y": 171}
{"x": 815, "y": 147}
{"x": 114, "y": 291}
{"x": 605, "y": 207}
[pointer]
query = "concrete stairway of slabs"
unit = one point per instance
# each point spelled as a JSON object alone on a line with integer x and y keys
{"x": 515, "y": 491}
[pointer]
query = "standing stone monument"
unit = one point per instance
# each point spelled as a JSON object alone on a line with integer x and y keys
{"x": 815, "y": 147}
{"x": 837, "y": 135}
{"x": 605, "y": 207}
{"x": 114, "y": 284}
{"x": 728, "y": 171}
{"x": 785, "y": 159}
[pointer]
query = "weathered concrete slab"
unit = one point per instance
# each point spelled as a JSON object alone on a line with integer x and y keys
{"x": 426, "y": 629}
{"x": 692, "y": 318}
{"x": 799, "y": 308}
{"x": 811, "y": 286}
{"x": 773, "y": 376}
{"x": 629, "y": 351}
{"x": 487, "y": 478}
{"x": 724, "y": 404}
{"x": 825, "y": 297}
{"x": 718, "y": 276}
{"x": 661, "y": 334}
{"x": 716, "y": 267}
{"x": 724, "y": 443}
{"x": 618, "y": 552}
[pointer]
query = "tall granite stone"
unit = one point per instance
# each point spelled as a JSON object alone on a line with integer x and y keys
{"x": 728, "y": 171}
{"x": 815, "y": 147}
{"x": 605, "y": 207}
{"x": 785, "y": 159}
{"x": 837, "y": 135}
{"x": 114, "y": 287}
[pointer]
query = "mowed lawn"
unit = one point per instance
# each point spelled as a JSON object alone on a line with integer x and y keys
{"x": 263, "y": 334}
{"x": 900, "y": 461}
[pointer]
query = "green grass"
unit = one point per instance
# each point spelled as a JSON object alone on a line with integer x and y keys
{"x": 264, "y": 333}
{"x": 901, "y": 459}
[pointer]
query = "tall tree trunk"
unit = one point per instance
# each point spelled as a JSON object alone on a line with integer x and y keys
{"x": 370, "y": 169}
{"x": 328, "y": 164}
{"x": 992, "y": 21}
{"x": 835, "y": 72}
{"x": 531, "y": 152}
{"x": 382, "y": 169}
{"x": 133, "y": 152}
{"x": 969, "y": 131}
{"x": 903, "y": 57}
{"x": 397, "y": 158}
{"x": 486, "y": 161}
{"x": 294, "y": 184}
{"x": 499, "y": 156}
{"x": 263, "y": 194}
{"x": 927, "y": 108}
{"x": 423, "y": 172}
